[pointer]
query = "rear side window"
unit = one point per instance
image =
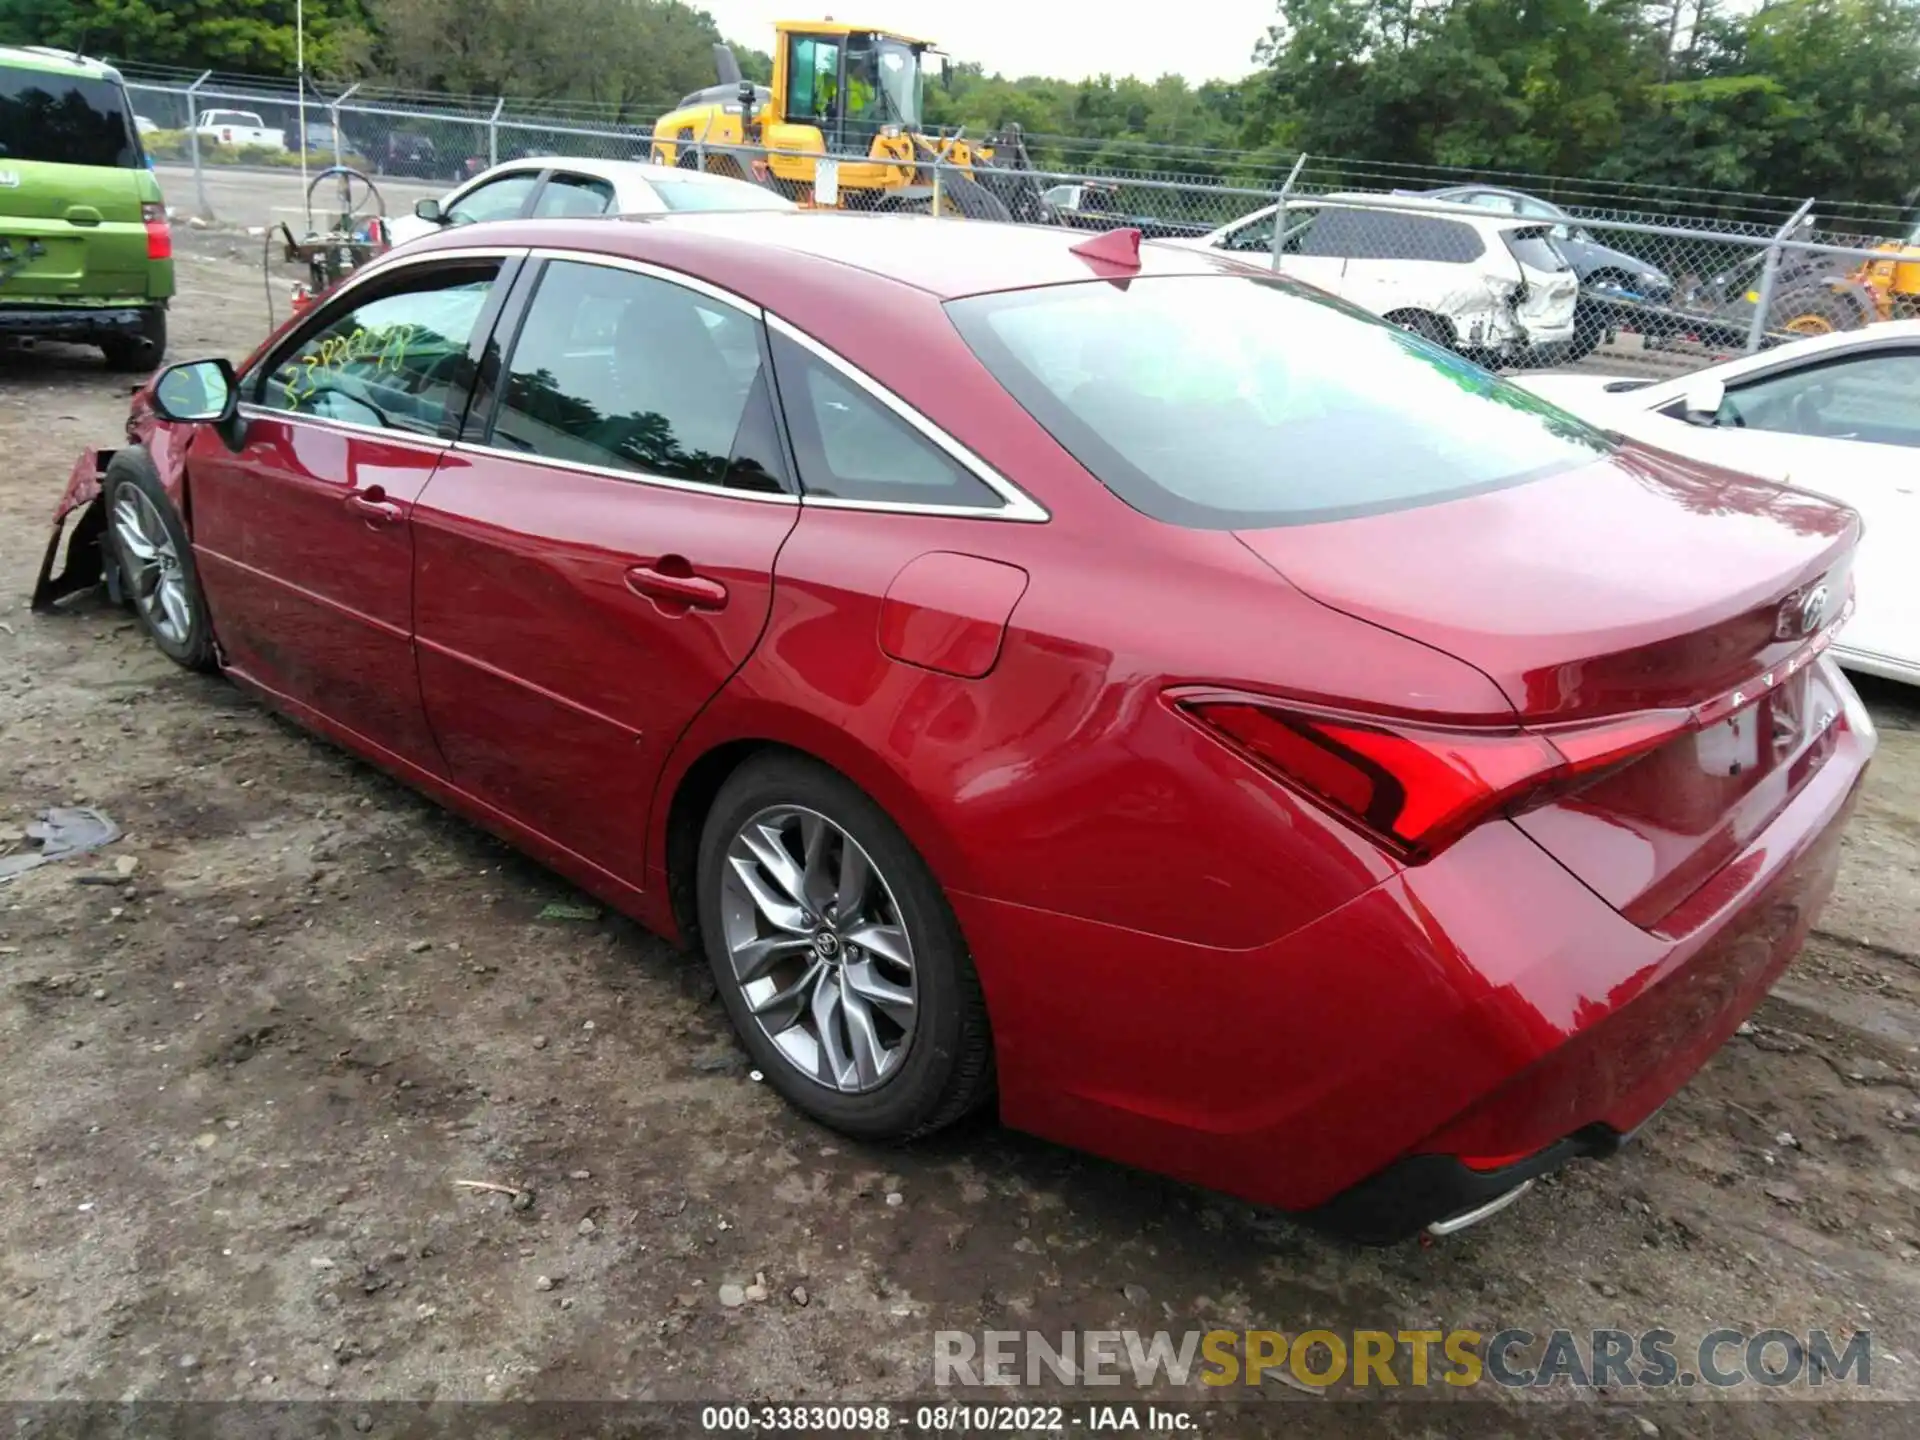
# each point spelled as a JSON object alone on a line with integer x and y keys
{"x": 573, "y": 197}
{"x": 1390, "y": 235}
{"x": 714, "y": 195}
{"x": 65, "y": 120}
{"x": 850, "y": 446}
{"x": 1234, "y": 403}
{"x": 1533, "y": 247}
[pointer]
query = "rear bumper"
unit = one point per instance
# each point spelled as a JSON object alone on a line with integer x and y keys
{"x": 75, "y": 323}
{"x": 1445, "y": 1036}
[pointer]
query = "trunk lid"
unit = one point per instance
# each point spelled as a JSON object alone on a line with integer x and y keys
{"x": 1638, "y": 584}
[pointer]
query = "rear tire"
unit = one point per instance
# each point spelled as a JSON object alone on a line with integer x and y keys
{"x": 155, "y": 561}
{"x": 928, "y": 1058}
{"x": 1426, "y": 326}
{"x": 1589, "y": 329}
{"x": 142, "y": 351}
{"x": 1814, "y": 313}
{"x": 973, "y": 201}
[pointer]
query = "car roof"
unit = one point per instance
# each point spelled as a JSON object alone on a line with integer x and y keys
{"x": 613, "y": 169}
{"x": 55, "y": 62}
{"x": 946, "y": 258}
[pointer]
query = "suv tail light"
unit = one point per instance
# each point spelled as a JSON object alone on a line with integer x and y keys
{"x": 159, "y": 232}
{"x": 1417, "y": 788}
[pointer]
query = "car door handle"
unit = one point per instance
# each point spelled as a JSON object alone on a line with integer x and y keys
{"x": 83, "y": 215}
{"x": 373, "y": 506}
{"x": 671, "y": 581}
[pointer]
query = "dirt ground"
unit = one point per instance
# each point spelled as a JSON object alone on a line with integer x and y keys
{"x": 251, "y": 1048}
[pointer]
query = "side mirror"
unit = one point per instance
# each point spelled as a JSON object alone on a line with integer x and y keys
{"x": 429, "y": 211}
{"x": 1704, "y": 397}
{"x": 201, "y": 392}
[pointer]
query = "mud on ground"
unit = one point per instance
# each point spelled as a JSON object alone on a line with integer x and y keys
{"x": 246, "y": 1069}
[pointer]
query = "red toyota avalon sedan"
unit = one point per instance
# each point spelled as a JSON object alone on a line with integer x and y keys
{"x": 1227, "y": 733}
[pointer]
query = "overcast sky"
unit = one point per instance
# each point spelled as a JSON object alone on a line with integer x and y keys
{"x": 1200, "y": 39}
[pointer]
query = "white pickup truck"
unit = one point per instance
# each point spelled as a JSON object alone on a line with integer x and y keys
{"x": 238, "y": 128}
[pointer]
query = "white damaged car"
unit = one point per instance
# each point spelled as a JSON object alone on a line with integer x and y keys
{"x": 1475, "y": 281}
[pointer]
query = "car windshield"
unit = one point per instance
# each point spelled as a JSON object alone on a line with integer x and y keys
{"x": 883, "y": 82}
{"x": 1223, "y": 402}
{"x": 711, "y": 195}
{"x": 65, "y": 120}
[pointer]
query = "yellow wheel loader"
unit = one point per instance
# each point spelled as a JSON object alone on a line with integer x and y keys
{"x": 841, "y": 126}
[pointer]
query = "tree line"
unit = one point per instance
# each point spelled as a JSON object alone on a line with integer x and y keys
{"x": 1786, "y": 97}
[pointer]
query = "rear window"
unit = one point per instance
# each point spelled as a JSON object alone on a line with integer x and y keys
{"x": 1533, "y": 247}
{"x": 65, "y": 120}
{"x": 1236, "y": 403}
{"x": 712, "y": 195}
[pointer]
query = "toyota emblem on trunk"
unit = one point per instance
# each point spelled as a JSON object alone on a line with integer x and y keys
{"x": 1802, "y": 615}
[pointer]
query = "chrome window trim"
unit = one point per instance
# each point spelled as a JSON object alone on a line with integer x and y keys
{"x": 253, "y": 411}
{"x": 609, "y": 472}
{"x": 1019, "y": 505}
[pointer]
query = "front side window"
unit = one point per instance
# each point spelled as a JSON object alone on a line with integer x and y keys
{"x": 850, "y": 446}
{"x": 500, "y": 199}
{"x": 1233, "y": 402}
{"x": 1870, "y": 398}
{"x": 1255, "y": 234}
{"x": 65, "y": 120}
{"x": 574, "y": 196}
{"x": 395, "y": 361}
{"x": 813, "y": 78}
{"x": 624, "y": 371}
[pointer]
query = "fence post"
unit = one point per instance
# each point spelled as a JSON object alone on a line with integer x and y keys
{"x": 202, "y": 208}
{"x": 939, "y": 190}
{"x": 333, "y": 119}
{"x": 493, "y": 132}
{"x": 1280, "y": 210}
{"x": 1769, "y": 277}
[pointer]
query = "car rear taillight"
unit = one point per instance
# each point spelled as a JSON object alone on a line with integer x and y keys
{"x": 159, "y": 232}
{"x": 1417, "y": 788}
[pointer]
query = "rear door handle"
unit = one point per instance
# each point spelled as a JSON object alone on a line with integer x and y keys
{"x": 670, "y": 582}
{"x": 373, "y": 506}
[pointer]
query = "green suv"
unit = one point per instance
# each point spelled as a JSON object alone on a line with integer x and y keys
{"x": 85, "y": 250}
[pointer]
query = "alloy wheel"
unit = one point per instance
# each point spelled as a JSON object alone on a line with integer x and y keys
{"x": 818, "y": 948}
{"x": 155, "y": 576}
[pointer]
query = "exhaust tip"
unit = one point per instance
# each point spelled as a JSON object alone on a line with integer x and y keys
{"x": 1454, "y": 1224}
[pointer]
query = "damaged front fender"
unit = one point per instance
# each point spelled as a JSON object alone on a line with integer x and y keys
{"x": 85, "y": 564}
{"x": 88, "y": 560}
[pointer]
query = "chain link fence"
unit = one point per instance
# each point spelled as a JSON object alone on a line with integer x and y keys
{"x": 1518, "y": 271}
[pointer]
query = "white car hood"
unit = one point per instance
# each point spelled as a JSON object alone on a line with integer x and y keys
{"x": 402, "y": 228}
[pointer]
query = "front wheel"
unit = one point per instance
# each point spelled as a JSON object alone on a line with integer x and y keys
{"x": 155, "y": 561}
{"x": 837, "y": 956}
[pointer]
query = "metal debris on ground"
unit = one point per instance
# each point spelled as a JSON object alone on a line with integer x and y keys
{"x": 61, "y": 832}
